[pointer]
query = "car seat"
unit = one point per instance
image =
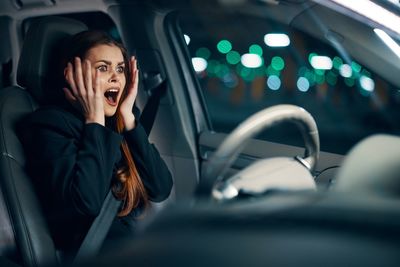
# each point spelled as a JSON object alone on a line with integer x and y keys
{"x": 24, "y": 236}
{"x": 372, "y": 167}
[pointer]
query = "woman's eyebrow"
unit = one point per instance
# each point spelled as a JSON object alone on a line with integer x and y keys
{"x": 109, "y": 62}
{"x": 105, "y": 61}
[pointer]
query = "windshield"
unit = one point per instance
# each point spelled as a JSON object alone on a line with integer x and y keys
{"x": 252, "y": 55}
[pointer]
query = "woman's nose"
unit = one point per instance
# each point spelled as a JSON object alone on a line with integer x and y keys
{"x": 113, "y": 77}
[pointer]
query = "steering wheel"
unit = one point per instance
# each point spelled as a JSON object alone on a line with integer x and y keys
{"x": 280, "y": 173}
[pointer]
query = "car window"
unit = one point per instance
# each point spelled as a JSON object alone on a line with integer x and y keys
{"x": 246, "y": 62}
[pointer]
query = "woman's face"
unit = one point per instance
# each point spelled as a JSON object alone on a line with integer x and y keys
{"x": 109, "y": 62}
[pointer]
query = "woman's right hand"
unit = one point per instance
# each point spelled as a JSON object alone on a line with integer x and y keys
{"x": 82, "y": 93}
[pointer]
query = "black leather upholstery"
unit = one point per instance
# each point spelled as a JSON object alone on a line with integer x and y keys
{"x": 33, "y": 242}
{"x": 24, "y": 235}
{"x": 41, "y": 48}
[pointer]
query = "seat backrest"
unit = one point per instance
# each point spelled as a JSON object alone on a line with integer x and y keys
{"x": 372, "y": 167}
{"x": 24, "y": 235}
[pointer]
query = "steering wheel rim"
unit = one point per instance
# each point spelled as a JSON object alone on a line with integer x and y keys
{"x": 233, "y": 144}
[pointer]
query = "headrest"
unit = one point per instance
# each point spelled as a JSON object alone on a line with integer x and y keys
{"x": 41, "y": 52}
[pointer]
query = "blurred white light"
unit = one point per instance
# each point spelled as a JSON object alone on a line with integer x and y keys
{"x": 303, "y": 84}
{"x": 388, "y": 41}
{"x": 276, "y": 39}
{"x": 346, "y": 71}
{"x": 373, "y": 11}
{"x": 367, "y": 83}
{"x": 199, "y": 64}
{"x": 273, "y": 82}
{"x": 251, "y": 60}
{"x": 321, "y": 63}
{"x": 187, "y": 39}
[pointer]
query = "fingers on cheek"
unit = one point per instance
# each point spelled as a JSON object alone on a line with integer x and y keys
{"x": 97, "y": 82}
{"x": 70, "y": 77}
{"x": 68, "y": 72}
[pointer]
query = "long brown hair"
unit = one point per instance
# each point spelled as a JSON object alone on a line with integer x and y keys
{"x": 127, "y": 187}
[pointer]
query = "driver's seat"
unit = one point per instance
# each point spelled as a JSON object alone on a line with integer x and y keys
{"x": 24, "y": 236}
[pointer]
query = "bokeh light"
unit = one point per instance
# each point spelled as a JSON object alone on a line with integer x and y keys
{"x": 199, "y": 64}
{"x": 224, "y": 46}
{"x": 251, "y": 60}
{"x": 277, "y": 40}
{"x": 277, "y": 63}
{"x": 274, "y": 82}
{"x": 203, "y": 52}
{"x": 346, "y": 71}
{"x": 367, "y": 83}
{"x": 337, "y": 62}
{"x": 303, "y": 84}
{"x": 233, "y": 57}
{"x": 187, "y": 38}
{"x": 256, "y": 49}
{"x": 321, "y": 62}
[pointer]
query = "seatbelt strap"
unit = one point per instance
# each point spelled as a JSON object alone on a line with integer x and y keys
{"x": 99, "y": 229}
{"x": 150, "y": 110}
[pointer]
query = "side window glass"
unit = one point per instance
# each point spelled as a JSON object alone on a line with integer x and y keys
{"x": 246, "y": 63}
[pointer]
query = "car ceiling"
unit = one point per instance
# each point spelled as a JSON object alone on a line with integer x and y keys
{"x": 356, "y": 38}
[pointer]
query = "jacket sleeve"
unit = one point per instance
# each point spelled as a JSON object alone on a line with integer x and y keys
{"x": 76, "y": 166}
{"x": 151, "y": 167}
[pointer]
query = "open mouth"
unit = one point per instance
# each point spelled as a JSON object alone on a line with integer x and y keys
{"x": 111, "y": 96}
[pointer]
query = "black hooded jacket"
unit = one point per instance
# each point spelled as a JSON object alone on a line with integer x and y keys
{"x": 73, "y": 164}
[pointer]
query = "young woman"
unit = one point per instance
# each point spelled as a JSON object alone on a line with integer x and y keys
{"x": 92, "y": 142}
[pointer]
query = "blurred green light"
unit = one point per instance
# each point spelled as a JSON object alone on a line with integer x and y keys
{"x": 319, "y": 72}
{"x": 366, "y": 73}
{"x": 256, "y": 49}
{"x": 319, "y": 79}
{"x": 224, "y": 46}
{"x": 249, "y": 77}
{"x": 203, "y": 52}
{"x": 302, "y": 71}
{"x": 239, "y": 68}
{"x": 310, "y": 76}
{"x": 233, "y": 57}
{"x": 277, "y": 63}
{"x": 244, "y": 72}
{"x": 349, "y": 82}
{"x": 311, "y": 55}
{"x": 337, "y": 62}
{"x": 259, "y": 72}
{"x": 331, "y": 78}
{"x": 271, "y": 71}
{"x": 355, "y": 66}
{"x": 222, "y": 70}
{"x": 213, "y": 66}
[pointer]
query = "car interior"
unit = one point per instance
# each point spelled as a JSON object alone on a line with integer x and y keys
{"x": 237, "y": 199}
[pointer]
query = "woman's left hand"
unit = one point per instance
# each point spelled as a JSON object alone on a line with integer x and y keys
{"x": 132, "y": 88}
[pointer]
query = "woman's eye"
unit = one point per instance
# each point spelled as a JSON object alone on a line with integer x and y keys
{"x": 120, "y": 69}
{"x": 102, "y": 68}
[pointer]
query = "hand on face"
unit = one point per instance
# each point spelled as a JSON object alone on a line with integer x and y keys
{"x": 85, "y": 92}
{"x": 131, "y": 93}
{"x": 96, "y": 86}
